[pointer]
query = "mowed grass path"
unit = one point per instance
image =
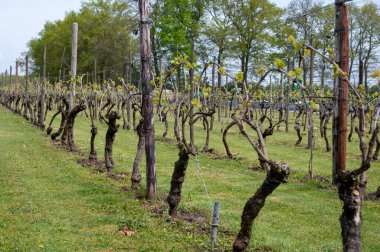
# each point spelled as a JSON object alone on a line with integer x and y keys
{"x": 50, "y": 203}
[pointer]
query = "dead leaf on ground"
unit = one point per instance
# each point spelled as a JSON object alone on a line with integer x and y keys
{"x": 127, "y": 231}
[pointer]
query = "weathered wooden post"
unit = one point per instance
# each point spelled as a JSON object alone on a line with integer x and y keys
{"x": 10, "y": 75}
{"x": 42, "y": 95}
{"x": 362, "y": 124}
{"x": 213, "y": 93}
{"x": 287, "y": 100}
{"x": 16, "y": 80}
{"x": 130, "y": 68}
{"x": 340, "y": 91}
{"x": 26, "y": 73}
{"x": 147, "y": 103}
{"x": 219, "y": 85}
{"x": 95, "y": 71}
{"x": 191, "y": 80}
{"x": 6, "y": 77}
{"x": 347, "y": 183}
{"x": 74, "y": 57}
{"x": 311, "y": 122}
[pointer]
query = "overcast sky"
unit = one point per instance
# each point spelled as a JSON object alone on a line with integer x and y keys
{"x": 21, "y": 20}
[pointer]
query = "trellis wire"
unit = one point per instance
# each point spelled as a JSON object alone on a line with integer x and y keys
{"x": 203, "y": 180}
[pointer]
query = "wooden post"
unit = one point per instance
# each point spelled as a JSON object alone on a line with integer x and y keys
{"x": 191, "y": 80}
{"x": 270, "y": 97}
{"x": 361, "y": 70}
{"x": 303, "y": 59}
{"x": 311, "y": 122}
{"x": 44, "y": 64}
{"x": 6, "y": 77}
{"x": 213, "y": 94}
{"x": 130, "y": 68}
{"x": 226, "y": 104}
{"x": 26, "y": 73}
{"x": 287, "y": 101}
{"x": 95, "y": 71}
{"x": 340, "y": 91}
{"x": 10, "y": 75}
{"x": 147, "y": 104}
{"x": 16, "y": 80}
{"x": 219, "y": 85}
{"x": 42, "y": 95}
{"x": 74, "y": 57}
{"x": 310, "y": 142}
{"x": 362, "y": 124}
{"x": 213, "y": 84}
{"x": 281, "y": 112}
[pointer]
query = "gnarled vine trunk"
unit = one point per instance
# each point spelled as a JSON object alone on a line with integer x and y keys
{"x": 278, "y": 174}
{"x": 352, "y": 125}
{"x": 327, "y": 118}
{"x": 350, "y": 219}
{"x": 136, "y": 176}
{"x": 64, "y": 114}
{"x": 110, "y": 137}
{"x": 50, "y": 128}
{"x": 225, "y": 131}
{"x": 178, "y": 178}
{"x": 69, "y": 127}
{"x": 94, "y": 132}
{"x": 297, "y": 128}
{"x": 376, "y": 153}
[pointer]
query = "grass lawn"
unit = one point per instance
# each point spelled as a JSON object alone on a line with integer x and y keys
{"x": 48, "y": 202}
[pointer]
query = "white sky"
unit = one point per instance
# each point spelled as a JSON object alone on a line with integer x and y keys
{"x": 21, "y": 20}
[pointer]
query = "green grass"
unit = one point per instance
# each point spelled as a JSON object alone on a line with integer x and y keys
{"x": 48, "y": 199}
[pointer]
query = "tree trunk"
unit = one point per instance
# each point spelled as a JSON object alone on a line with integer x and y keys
{"x": 178, "y": 178}
{"x": 136, "y": 176}
{"x": 164, "y": 119}
{"x": 123, "y": 104}
{"x": 49, "y": 129}
{"x": 327, "y": 119}
{"x": 94, "y": 132}
{"x": 278, "y": 174}
{"x": 229, "y": 154}
{"x": 376, "y": 153}
{"x": 110, "y": 137}
{"x": 205, "y": 148}
{"x": 69, "y": 127}
{"x": 297, "y": 127}
{"x": 135, "y": 109}
{"x": 352, "y": 125}
{"x": 350, "y": 220}
{"x": 61, "y": 129}
{"x": 322, "y": 117}
{"x": 128, "y": 124}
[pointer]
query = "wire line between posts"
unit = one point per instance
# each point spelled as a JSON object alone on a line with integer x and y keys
{"x": 203, "y": 181}
{"x": 214, "y": 209}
